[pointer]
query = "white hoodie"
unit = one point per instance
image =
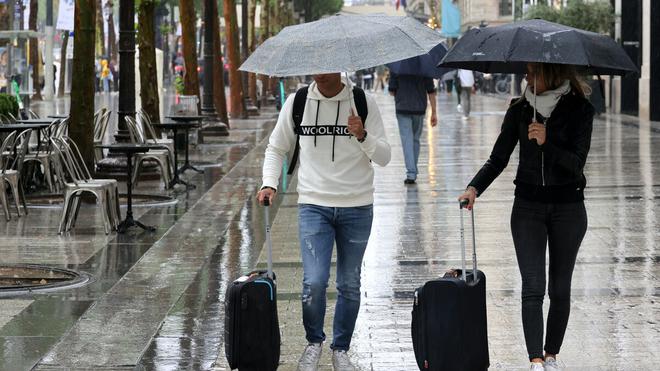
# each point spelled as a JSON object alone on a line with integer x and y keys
{"x": 334, "y": 168}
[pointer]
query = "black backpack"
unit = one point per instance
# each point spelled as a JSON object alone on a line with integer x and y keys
{"x": 299, "y": 102}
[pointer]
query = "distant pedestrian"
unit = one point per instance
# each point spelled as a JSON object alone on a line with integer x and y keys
{"x": 410, "y": 96}
{"x": 335, "y": 202}
{"x": 106, "y": 76}
{"x": 381, "y": 78}
{"x": 466, "y": 78}
{"x": 548, "y": 209}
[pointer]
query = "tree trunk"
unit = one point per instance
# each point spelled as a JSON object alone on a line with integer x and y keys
{"x": 81, "y": 128}
{"x": 190, "y": 77}
{"x": 219, "y": 98}
{"x": 148, "y": 76}
{"x": 252, "y": 82}
{"x": 112, "y": 38}
{"x": 100, "y": 33}
{"x": 235, "y": 84}
{"x": 34, "y": 50}
{"x": 65, "y": 43}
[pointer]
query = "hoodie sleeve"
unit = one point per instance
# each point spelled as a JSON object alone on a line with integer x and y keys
{"x": 375, "y": 145}
{"x": 281, "y": 141}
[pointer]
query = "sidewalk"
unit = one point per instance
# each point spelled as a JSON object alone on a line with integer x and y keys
{"x": 614, "y": 321}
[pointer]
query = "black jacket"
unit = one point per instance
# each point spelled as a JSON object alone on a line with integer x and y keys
{"x": 551, "y": 172}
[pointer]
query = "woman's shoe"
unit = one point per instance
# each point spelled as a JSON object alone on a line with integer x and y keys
{"x": 536, "y": 367}
{"x": 551, "y": 364}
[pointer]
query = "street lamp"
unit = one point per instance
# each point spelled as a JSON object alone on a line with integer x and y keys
{"x": 126, "y": 61}
{"x": 208, "y": 107}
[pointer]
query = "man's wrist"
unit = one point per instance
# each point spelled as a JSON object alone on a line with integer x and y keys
{"x": 364, "y": 136}
{"x": 268, "y": 187}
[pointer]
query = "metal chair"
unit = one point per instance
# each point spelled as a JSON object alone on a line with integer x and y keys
{"x": 100, "y": 127}
{"x": 159, "y": 153}
{"x": 151, "y": 135}
{"x": 11, "y": 174}
{"x": 43, "y": 154}
{"x": 105, "y": 190}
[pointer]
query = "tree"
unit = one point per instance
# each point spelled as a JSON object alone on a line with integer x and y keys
{"x": 265, "y": 34}
{"x": 112, "y": 43}
{"x": 4, "y": 21}
{"x": 594, "y": 16}
{"x": 34, "y": 50}
{"x": 81, "y": 128}
{"x": 100, "y": 34}
{"x": 147, "y": 41}
{"x": 191, "y": 77}
{"x": 219, "y": 98}
{"x": 65, "y": 44}
{"x": 235, "y": 85}
{"x": 320, "y": 7}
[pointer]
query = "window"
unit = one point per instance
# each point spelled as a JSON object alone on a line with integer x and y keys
{"x": 505, "y": 7}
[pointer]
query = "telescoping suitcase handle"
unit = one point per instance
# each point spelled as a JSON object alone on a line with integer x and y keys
{"x": 269, "y": 243}
{"x": 463, "y": 204}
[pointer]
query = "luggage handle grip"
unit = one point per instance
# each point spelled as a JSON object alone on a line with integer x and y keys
{"x": 462, "y": 204}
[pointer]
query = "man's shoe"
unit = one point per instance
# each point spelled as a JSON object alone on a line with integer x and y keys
{"x": 409, "y": 181}
{"x": 309, "y": 361}
{"x": 551, "y": 364}
{"x": 536, "y": 366}
{"x": 459, "y": 109}
{"x": 341, "y": 362}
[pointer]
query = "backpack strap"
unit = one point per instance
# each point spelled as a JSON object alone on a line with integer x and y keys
{"x": 299, "y": 102}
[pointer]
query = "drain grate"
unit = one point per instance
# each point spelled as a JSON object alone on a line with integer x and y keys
{"x": 15, "y": 279}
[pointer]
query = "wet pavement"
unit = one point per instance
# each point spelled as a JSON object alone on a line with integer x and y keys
{"x": 156, "y": 299}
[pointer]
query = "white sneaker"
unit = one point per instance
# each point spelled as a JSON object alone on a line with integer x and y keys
{"x": 537, "y": 367}
{"x": 341, "y": 362}
{"x": 459, "y": 108}
{"x": 309, "y": 361}
{"x": 551, "y": 364}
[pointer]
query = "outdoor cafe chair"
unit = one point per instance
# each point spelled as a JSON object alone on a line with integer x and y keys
{"x": 79, "y": 182}
{"x": 160, "y": 154}
{"x": 100, "y": 127}
{"x": 43, "y": 154}
{"x": 13, "y": 150}
{"x": 152, "y": 137}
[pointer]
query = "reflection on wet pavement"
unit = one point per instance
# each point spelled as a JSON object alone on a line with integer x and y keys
{"x": 156, "y": 301}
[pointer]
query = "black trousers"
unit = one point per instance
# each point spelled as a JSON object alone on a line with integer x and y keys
{"x": 561, "y": 227}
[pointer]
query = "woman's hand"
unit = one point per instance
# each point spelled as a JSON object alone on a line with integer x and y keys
{"x": 470, "y": 194}
{"x": 266, "y": 192}
{"x": 536, "y": 131}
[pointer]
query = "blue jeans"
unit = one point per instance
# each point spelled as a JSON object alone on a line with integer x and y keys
{"x": 410, "y": 130}
{"x": 319, "y": 228}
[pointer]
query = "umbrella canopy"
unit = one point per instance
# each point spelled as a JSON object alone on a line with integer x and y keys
{"x": 341, "y": 43}
{"x": 508, "y": 49}
{"x": 422, "y": 65}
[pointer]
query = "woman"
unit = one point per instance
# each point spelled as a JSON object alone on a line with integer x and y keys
{"x": 549, "y": 199}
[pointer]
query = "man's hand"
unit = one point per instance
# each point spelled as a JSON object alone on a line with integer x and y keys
{"x": 264, "y": 193}
{"x": 434, "y": 119}
{"x": 536, "y": 131}
{"x": 355, "y": 126}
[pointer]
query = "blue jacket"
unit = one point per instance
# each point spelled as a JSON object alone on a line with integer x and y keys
{"x": 411, "y": 93}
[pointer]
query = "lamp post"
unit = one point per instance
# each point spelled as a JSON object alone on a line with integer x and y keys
{"x": 126, "y": 62}
{"x": 208, "y": 107}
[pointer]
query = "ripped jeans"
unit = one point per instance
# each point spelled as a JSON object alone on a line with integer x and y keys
{"x": 319, "y": 228}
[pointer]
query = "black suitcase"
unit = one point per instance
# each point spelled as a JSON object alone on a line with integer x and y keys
{"x": 252, "y": 331}
{"x": 449, "y": 329}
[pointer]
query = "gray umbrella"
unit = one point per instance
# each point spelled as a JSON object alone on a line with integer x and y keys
{"x": 341, "y": 43}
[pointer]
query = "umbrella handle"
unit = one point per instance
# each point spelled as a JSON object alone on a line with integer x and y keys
{"x": 351, "y": 100}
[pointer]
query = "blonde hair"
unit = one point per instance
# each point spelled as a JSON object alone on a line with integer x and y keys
{"x": 554, "y": 75}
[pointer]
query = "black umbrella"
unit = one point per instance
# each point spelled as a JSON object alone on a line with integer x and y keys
{"x": 508, "y": 49}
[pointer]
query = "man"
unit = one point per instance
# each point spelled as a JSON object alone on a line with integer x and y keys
{"x": 335, "y": 187}
{"x": 410, "y": 94}
{"x": 467, "y": 85}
